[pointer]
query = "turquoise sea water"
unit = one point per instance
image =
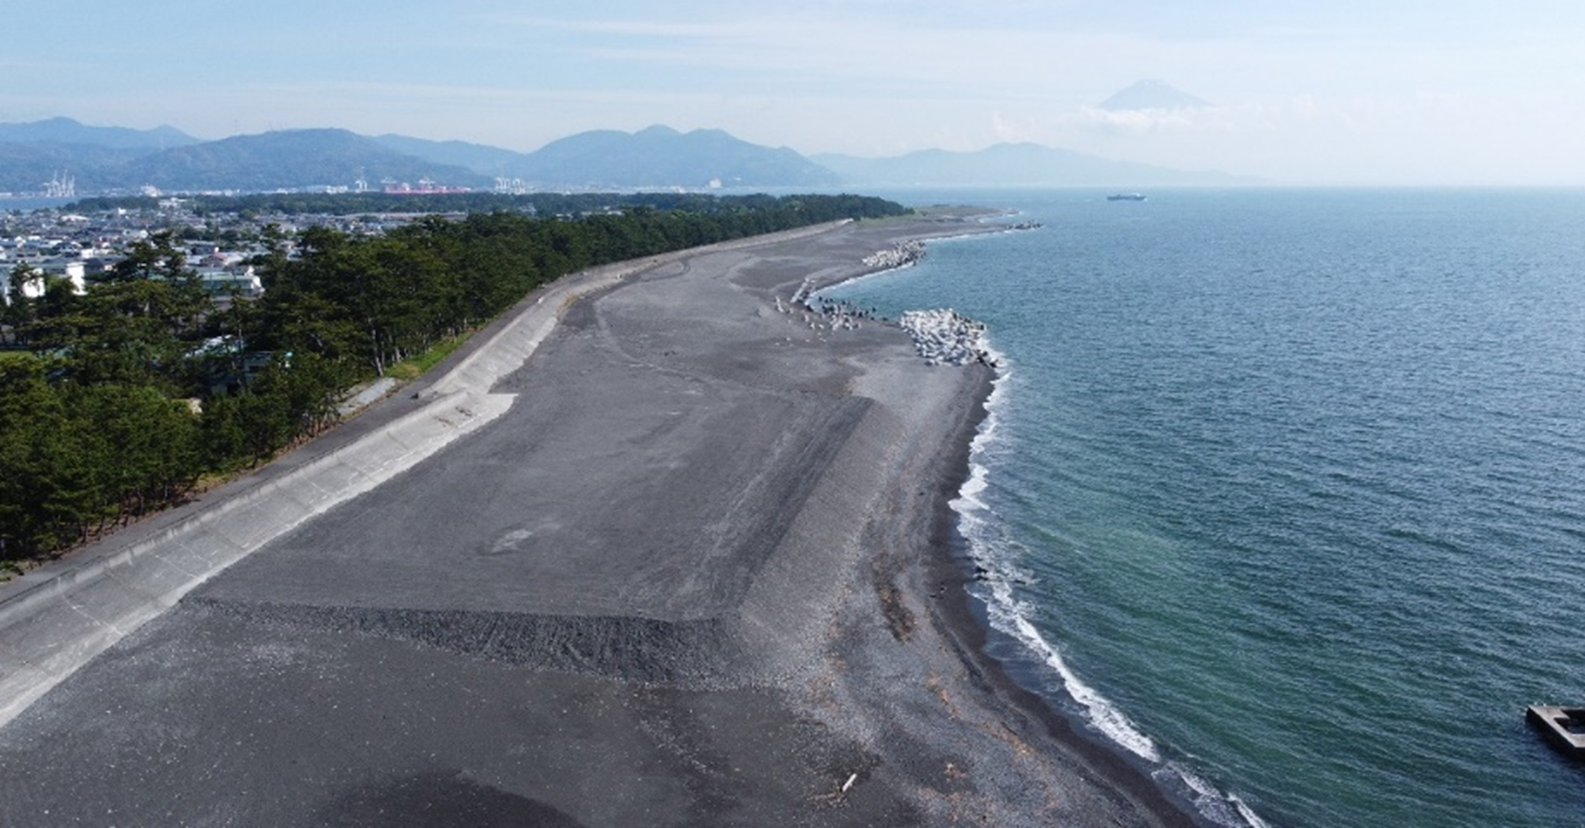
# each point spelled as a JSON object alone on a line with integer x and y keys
{"x": 1284, "y": 491}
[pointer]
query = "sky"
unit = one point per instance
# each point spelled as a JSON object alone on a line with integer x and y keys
{"x": 1342, "y": 92}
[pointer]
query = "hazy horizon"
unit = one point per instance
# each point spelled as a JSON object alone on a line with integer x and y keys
{"x": 1350, "y": 94}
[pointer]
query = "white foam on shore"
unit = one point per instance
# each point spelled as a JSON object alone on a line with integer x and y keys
{"x": 808, "y": 293}
{"x": 997, "y": 560}
{"x": 945, "y": 336}
{"x": 1244, "y": 811}
{"x": 1008, "y": 613}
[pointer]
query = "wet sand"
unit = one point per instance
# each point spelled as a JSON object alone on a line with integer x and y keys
{"x": 701, "y": 572}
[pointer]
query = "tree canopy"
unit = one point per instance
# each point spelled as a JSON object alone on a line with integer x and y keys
{"x": 125, "y": 396}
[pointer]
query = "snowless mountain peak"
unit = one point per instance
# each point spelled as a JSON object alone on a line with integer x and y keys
{"x": 1152, "y": 94}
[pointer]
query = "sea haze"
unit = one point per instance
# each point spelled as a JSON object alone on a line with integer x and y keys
{"x": 1287, "y": 488}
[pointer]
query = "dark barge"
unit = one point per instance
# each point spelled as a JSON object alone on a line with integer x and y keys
{"x": 1564, "y": 727}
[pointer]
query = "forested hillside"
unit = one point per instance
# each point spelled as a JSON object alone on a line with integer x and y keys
{"x": 121, "y": 399}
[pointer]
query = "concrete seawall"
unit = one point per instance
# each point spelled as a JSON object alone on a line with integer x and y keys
{"x": 50, "y": 626}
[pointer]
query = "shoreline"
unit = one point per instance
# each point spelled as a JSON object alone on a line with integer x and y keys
{"x": 962, "y": 617}
{"x": 773, "y": 629}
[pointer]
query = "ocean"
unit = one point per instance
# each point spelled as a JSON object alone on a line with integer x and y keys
{"x": 1283, "y": 491}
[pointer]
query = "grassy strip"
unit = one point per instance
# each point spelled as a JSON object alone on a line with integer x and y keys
{"x": 414, "y": 367}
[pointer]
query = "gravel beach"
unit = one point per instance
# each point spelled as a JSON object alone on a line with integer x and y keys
{"x": 701, "y": 571}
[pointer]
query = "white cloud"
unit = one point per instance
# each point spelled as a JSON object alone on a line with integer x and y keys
{"x": 1140, "y": 120}
{"x": 1324, "y": 92}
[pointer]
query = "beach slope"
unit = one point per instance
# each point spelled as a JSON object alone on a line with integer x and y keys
{"x": 698, "y": 571}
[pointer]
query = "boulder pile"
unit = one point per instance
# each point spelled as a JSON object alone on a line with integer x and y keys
{"x": 946, "y": 337}
{"x": 898, "y": 255}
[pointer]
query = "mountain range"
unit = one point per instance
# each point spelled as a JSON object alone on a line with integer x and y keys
{"x": 117, "y": 159}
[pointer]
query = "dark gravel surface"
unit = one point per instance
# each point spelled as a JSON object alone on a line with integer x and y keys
{"x": 693, "y": 577}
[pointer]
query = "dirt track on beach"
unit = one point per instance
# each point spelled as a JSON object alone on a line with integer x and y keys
{"x": 698, "y": 573}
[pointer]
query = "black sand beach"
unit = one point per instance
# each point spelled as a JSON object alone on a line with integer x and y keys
{"x": 701, "y": 572}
